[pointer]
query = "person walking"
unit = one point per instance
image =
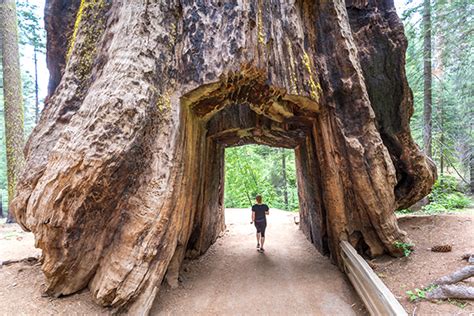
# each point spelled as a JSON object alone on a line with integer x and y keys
{"x": 259, "y": 217}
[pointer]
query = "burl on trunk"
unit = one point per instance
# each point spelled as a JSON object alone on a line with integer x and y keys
{"x": 124, "y": 173}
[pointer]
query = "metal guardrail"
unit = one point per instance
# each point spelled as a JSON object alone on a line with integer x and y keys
{"x": 378, "y": 299}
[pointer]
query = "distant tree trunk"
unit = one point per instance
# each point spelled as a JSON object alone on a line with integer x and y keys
{"x": 427, "y": 108}
{"x": 12, "y": 95}
{"x": 441, "y": 140}
{"x": 285, "y": 187}
{"x": 439, "y": 72}
{"x": 471, "y": 168}
{"x": 35, "y": 57}
{"x": 1, "y": 205}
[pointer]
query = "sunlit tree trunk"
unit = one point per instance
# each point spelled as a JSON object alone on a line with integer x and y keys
{"x": 12, "y": 95}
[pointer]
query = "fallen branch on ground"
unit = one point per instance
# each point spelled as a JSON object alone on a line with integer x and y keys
{"x": 444, "y": 287}
{"x": 29, "y": 260}
{"x": 457, "y": 276}
{"x": 444, "y": 292}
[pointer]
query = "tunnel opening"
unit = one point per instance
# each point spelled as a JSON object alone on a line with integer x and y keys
{"x": 242, "y": 109}
{"x": 270, "y": 172}
{"x": 253, "y": 170}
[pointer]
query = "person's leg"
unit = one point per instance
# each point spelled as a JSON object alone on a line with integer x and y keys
{"x": 258, "y": 234}
{"x": 262, "y": 236}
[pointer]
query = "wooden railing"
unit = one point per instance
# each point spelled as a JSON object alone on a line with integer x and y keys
{"x": 376, "y": 296}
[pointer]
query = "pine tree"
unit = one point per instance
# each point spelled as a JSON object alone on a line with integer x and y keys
{"x": 13, "y": 100}
{"x": 427, "y": 109}
{"x": 32, "y": 34}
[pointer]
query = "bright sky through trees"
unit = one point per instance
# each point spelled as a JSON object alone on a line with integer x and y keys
{"x": 26, "y": 59}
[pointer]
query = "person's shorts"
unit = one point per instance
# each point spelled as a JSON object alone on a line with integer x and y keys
{"x": 261, "y": 225}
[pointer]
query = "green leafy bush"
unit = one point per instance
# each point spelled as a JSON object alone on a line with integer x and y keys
{"x": 405, "y": 247}
{"x": 446, "y": 196}
{"x": 419, "y": 293}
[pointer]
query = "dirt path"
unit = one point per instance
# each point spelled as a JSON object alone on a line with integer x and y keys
{"x": 231, "y": 278}
{"x": 15, "y": 244}
{"x": 290, "y": 278}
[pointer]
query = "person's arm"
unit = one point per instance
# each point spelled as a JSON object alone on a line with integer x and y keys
{"x": 267, "y": 212}
{"x": 253, "y": 217}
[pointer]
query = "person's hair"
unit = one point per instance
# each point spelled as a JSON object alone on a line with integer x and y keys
{"x": 258, "y": 198}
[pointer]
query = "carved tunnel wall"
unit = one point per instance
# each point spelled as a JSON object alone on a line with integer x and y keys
{"x": 244, "y": 110}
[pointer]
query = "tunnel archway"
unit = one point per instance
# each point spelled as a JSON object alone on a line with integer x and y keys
{"x": 245, "y": 110}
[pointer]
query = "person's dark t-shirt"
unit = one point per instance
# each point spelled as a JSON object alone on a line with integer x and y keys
{"x": 260, "y": 210}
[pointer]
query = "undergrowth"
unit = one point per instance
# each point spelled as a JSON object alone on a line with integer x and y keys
{"x": 418, "y": 294}
{"x": 405, "y": 247}
{"x": 444, "y": 197}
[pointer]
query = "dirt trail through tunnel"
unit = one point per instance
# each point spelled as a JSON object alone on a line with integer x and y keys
{"x": 233, "y": 278}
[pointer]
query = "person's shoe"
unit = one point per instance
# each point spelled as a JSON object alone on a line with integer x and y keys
{"x": 261, "y": 250}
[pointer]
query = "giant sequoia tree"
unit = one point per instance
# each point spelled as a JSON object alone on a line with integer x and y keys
{"x": 124, "y": 172}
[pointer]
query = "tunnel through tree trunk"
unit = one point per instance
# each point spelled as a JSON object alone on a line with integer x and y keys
{"x": 124, "y": 173}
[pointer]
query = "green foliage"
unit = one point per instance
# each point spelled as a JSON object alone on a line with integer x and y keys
{"x": 445, "y": 196}
{"x": 255, "y": 169}
{"x": 405, "y": 247}
{"x": 419, "y": 293}
{"x": 458, "y": 303}
{"x": 453, "y": 80}
{"x": 30, "y": 29}
{"x": 404, "y": 211}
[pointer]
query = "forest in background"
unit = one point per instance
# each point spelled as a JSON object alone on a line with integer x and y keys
{"x": 440, "y": 72}
{"x": 257, "y": 169}
{"x": 32, "y": 44}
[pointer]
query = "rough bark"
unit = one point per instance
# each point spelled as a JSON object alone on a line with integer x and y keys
{"x": 125, "y": 168}
{"x": 13, "y": 99}
{"x": 59, "y": 19}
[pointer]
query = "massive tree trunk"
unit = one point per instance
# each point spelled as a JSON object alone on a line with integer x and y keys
{"x": 125, "y": 168}
{"x": 14, "y": 137}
